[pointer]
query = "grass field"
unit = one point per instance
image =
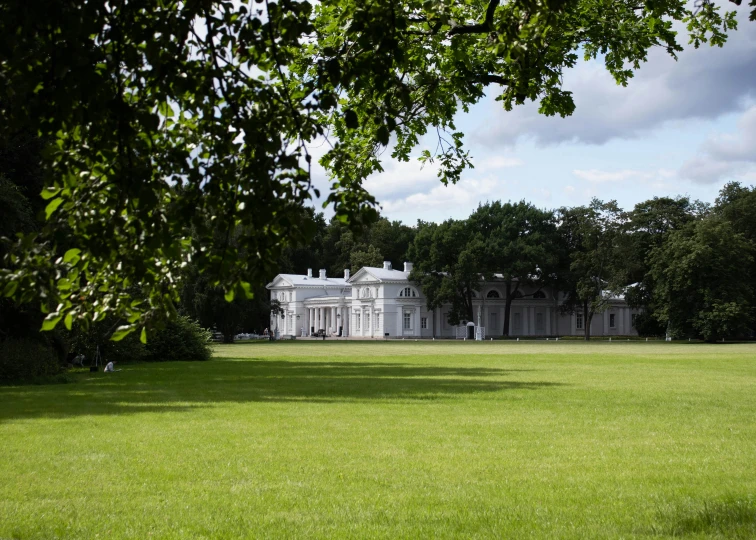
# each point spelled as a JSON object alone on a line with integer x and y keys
{"x": 392, "y": 440}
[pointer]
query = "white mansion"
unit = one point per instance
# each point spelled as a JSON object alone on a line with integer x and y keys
{"x": 382, "y": 302}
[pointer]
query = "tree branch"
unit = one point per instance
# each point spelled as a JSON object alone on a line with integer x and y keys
{"x": 480, "y": 28}
{"x": 493, "y": 79}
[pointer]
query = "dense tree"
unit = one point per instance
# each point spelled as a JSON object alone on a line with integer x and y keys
{"x": 703, "y": 281}
{"x": 369, "y": 257}
{"x": 593, "y": 236}
{"x": 205, "y": 303}
{"x": 446, "y": 261}
{"x": 519, "y": 244}
{"x": 649, "y": 225}
{"x": 170, "y": 120}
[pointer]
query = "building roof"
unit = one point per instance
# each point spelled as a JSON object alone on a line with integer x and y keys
{"x": 381, "y": 274}
{"x": 301, "y": 280}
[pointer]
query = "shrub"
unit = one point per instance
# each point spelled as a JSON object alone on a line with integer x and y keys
{"x": 25, "y": 359}
{"x": 182, "y": 339}
{"x": 85, "y": 342}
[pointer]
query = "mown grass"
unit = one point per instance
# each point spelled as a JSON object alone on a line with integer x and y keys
{"x": 392, "y": 440}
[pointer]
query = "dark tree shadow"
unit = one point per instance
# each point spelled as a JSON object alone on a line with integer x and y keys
{"x": 729, "y": 518}
{"x": 184, "y": 386}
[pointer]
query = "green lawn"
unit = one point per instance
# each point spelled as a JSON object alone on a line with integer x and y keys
{"x": 392, "y": 440}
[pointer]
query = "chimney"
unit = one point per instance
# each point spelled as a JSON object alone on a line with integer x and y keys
{"x": 346, "y": 273}
{"x": 309, "y": 272}
{"x": 408, "y": 267}
{"x": 322, "y": 273}
{"x": 386, "y": 265}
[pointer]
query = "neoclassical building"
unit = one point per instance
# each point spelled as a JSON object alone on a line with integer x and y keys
{"x": 383, "y": 303}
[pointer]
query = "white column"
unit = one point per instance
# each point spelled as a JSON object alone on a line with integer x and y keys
{"x": 531, "y": 325}
{"x": 572, "y": 325}
{"x": 399, "y": 321}
{"x": 621, "y": 321}
{"x": 416, "y": 330}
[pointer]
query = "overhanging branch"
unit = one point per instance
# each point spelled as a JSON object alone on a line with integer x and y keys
{"x": 480, "y": 28}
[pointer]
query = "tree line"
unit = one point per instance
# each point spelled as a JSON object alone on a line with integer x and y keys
{"x": 689, "y": 266}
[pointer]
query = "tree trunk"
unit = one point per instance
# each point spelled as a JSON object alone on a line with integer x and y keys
{"x": 587, "y": 318}
{"x": 508, "y": 306}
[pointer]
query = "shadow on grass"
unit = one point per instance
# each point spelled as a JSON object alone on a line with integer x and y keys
{"x": 730, "y": 518}
{"x": 184, "y": 386}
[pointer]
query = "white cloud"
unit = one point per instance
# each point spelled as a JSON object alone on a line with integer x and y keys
{"x": 449, "y": 200}
{"x": 497, "y": 162}
{"x": 656, "y": 178}
{"x": 597, "y": 176}
{"x": 704, "y": 83}
{"x": 725, "y": 155}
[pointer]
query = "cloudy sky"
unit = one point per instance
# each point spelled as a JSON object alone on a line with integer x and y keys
{"x": 681, "y": 127}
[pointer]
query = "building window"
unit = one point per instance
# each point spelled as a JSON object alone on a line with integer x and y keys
{"x": 407, "y": 320}
{"x": 540, "y": 327}
{"x": 408, "y": 292}
{"x": 579, "y": 320}
{"x": 492, "y": 325}
{"x": 367, "y": 321}
{"x": 357, "y": 321}
{"x": 633, "y": 319}
{"x": 378, "y": 320}
{"x": 424, "y": 323}
{"x": 612, "y": 321}
{"x": 539, "y": 294}
{"x": 493, "y": 294}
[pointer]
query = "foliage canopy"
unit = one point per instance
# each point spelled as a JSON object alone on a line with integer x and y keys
{"x": 167, "y": 121}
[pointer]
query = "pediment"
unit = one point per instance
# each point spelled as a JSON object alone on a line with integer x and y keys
{"x": 279, "y": 281}
{"x": 363, "y": 275}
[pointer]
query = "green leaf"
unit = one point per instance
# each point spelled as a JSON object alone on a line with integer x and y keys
{"x": 10, "y": 288}
{"x": 50, "y": 192}
{"x": 247, "y": 288}
{"x": 64, "y": 284}
{"x": 72, "y": 256}
{"x": 51, "y": 321}
{"x": 54, "y": 204}
{"x": 143, "y": 336}
{"x": 122, "y": 331}
{"x": 229, "y": 296}
{"x": 68, "y": 321}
